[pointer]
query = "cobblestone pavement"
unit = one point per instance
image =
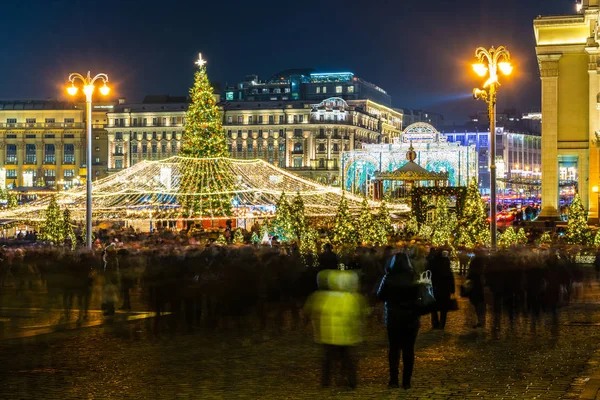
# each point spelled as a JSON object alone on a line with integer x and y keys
{"x": 127, "y": 360}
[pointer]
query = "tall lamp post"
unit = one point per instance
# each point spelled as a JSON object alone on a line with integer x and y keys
{"x": 88, "y": 89}
{"x": 489, "y": 61}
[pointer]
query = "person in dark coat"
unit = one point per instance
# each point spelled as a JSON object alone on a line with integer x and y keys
{"x": 399, "y": 292}
{"x": 442, "y": 281}
{"x": 328, "y": 259}
{"x": 475, "y": 291}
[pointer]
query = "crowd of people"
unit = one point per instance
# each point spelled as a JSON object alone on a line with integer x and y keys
{"x": 213, "y": 284}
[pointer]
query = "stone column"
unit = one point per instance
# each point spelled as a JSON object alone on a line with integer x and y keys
{"x": 58, "y": 153}
{"x": 20, "y": 161}
{"x": 549, "y": 74}
{"x": 79, "y": 151}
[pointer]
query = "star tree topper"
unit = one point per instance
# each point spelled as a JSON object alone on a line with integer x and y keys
{"x": 200, "y": 61}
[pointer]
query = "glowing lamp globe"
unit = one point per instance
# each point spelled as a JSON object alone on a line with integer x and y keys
{"x": 72, "y": 90}
{"x": 506, "y": 68}
{"x": 104, "y": 90}
{"x": 480, "y": 69}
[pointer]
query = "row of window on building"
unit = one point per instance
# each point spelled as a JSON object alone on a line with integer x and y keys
{"x": 154, "y": 121}
{"x": 49, "y": 153}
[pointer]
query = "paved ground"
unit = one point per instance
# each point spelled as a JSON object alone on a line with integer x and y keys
{"x": 116, "y": 358}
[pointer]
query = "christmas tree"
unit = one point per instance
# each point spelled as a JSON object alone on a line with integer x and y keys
{"x": 344, "y": 232}
{"x": 68, "y": 228}
{"x": 473, "y": 227}
{"x": 444, "y": 225}
{"x": 282, "y": 224}
{"x": 546, "y": 239}
{"x": 522, "y": 237}
{"x": 221, "y": 240}
{"x": 53, "y": 226}
{"x": 255, "y": 239}
{"x": 411, "y": 227}
{"x": 383, "y": 225}
{"x": 365, "y": 231}
{"x": 297, "y": 217}
{"x": 203, "y": 135}
{"x": 238, "y": 237}
{"x": 508, "y": 238}
{"x": 578, "y": 231}
{"x": 204, "y": 191}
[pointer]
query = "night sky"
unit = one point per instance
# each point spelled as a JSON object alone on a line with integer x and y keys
{"x": 418, "y": 51}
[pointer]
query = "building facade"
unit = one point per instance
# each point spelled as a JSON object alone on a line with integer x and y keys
{"x": 518, "y": 156}
{"x": 567, "y": 50}
{"x": 42, "y": 143}
{"x": 307, "y": 138}
{"x": 308, "y": 85}
{"x": 150, "y": 130}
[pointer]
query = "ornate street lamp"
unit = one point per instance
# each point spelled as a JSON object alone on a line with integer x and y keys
{"x": 489, "y": 61}
{"x": 88, "y": 89}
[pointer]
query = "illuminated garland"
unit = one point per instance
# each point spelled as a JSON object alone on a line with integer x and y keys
{"x": 152, "y": 190}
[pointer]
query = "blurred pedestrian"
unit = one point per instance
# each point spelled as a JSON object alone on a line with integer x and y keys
{"x": 399, "y": 292}
{"x": 337, "y": 312}
{"x": 443, "y": 287}
{"x": 474, "y": 286}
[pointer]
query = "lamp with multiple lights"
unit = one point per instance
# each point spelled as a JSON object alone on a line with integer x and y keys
{"x": 88, "y": 89}
{"x": 489, "y": 62}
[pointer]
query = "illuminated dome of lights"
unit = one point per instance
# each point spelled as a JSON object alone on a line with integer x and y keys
{"x": 151, "y": 190}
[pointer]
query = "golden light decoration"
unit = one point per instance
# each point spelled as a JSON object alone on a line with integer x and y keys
{"x": 149, "y": 189}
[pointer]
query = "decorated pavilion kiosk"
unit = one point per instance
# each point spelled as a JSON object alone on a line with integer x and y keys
{"x": 400, "y": 182}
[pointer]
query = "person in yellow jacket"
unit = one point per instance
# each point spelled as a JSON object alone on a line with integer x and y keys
{"x": 337, "y": 311}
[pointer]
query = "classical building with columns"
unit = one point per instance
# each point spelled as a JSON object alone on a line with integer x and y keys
{"x": 567, "y": 51}
{"x": 305, "y": 137}
{"x": 150, "y": 130}
{"x": 42, "y": 143}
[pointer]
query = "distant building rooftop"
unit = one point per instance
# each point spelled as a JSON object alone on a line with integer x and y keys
{"x": 37, "y": 105}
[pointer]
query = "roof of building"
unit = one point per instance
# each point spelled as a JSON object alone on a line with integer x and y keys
{"x": 37, "y": 105}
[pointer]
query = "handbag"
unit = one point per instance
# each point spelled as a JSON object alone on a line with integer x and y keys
{"x": 425, "y": 302}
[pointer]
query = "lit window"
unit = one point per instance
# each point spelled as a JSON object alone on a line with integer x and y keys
{"x": 324, "y": 89}
{"x": 350, "y": 89}
{"x": 318, "y": 89}
{"x": 338, "y": 89}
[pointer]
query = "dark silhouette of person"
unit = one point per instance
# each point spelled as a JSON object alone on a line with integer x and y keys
{"x": 399, "y": 292}
{"x": 442, "y": 281}
{"x": 328, "y": 259}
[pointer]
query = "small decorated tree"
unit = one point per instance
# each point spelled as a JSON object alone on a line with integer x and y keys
{"x": 68, "y": 228}
{"x": 522, "y": 238}
{"x": 344, "y": 232}
{"x": 255, "y": 239}
{"x": 297, "y": 218}
{"x": 444, "y": 225}
{"x": 238, "y": 237}
{"x": 546, "y": 239}
{"x": 282, "y": 224}
{"x": 221, "y": 240}
{"x": 53, "y": 228}
{"x": 365, "y": 229}
{"x": 473, "y": 226}
{"x": 578, "y": 231}
{"x": 508, "y": 238}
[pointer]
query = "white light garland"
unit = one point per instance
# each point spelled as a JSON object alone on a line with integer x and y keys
{"x": 150, "y": 189}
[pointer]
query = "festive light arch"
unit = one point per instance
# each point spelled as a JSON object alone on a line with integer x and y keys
{"x": 151, "y": 190}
